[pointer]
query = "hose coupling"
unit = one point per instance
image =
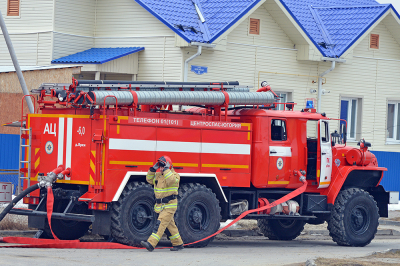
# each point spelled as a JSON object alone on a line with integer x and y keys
{"x": 302, "y": 175}
{"x": 51, "y": 177}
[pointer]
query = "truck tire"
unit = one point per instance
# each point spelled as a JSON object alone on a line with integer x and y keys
{"x": 354, "y": 218}
{"x": 65, "y": 229}
{"x": 132, "y": 216}
{"x": 198, "y": 214}
{"x": 281, "y": 229}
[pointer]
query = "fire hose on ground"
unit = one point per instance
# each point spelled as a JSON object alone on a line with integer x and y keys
{"x": 26, "y": 242}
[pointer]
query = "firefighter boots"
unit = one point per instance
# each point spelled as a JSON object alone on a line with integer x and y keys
{"x": 147, "y": 245}
{"x": 176, "y": 248}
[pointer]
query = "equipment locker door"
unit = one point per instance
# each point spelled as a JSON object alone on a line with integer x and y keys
{"x": 326, "y": 154}
{"x": 280, "y": 153}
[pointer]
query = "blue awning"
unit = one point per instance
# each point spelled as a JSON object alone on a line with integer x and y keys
{"x": 97, "y": 55}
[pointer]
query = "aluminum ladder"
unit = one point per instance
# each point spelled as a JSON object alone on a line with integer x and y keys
{"x": 24, "y": 131}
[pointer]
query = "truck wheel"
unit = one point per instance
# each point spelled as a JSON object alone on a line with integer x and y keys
{"x": 66, "y": 229}
{"x": 198, "y": 214}
{"x": 284, "y": 229}
{"x": 132, "y": 216}
{"x": 354, "y": 218}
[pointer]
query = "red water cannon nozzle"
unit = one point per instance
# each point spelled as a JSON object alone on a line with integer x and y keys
{"x": 364, "y": 145}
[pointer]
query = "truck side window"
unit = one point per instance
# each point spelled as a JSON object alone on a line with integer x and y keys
{"x": 324, "y": 132}
{"x": 278, "y": 130}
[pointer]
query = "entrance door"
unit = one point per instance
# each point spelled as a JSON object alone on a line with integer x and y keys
{"x": 326, "y": 154}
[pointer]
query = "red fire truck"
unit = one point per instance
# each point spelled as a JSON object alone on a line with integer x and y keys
{"x": 232, "y": 149}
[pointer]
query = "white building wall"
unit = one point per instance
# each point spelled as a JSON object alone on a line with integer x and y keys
{"x": 127, "y": 18}
{"x": 66, "y": 44}
{"x": 74, "y": 26}
{"x": 160, "y": 60}
{"x": 30, "y": 19}
{"x": 75, "y": 16}
{"x": 30, "y": 33}
{"x": 31, "y": 49}
{"x": 366, "y": 76}
{"x": 248, "y": 57}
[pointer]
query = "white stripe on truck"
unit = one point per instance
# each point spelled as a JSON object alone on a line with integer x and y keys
{"x": 60, "y": 154}
{"x": 178, "y": 146}
{"x": 69, "y": 143}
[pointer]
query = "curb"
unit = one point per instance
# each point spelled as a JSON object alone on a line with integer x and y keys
{"x": 241, "y": 233}
{"x": 386, "y": 222}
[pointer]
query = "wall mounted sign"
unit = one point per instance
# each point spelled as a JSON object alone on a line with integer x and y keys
{"x": 199, "y": 70}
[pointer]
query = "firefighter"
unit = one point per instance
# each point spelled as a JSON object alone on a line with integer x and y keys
{"x": 166, "y": 184}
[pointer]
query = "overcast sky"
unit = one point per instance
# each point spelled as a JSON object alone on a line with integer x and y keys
{"x": 395, "y": 3}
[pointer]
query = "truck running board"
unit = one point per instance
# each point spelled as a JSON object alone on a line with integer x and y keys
{"x": 56, "y": 215}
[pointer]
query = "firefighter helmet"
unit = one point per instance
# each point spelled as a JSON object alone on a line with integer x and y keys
{"x": 165, "y": 161}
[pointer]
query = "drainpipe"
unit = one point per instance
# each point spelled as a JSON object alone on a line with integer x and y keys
{"x": 333, "y": 60}
{"x": 199, "y": 48}
{"x": 15, "y": 62}
{"x": 190, "y": 59}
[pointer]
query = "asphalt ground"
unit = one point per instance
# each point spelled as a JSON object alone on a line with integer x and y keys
{"x": 240, "y": 246}
{"x": 224, "y": 250}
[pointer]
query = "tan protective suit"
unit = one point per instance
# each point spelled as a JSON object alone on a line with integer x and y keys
{"x": 165, "y": 184}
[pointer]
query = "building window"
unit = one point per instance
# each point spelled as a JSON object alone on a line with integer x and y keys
{"x": 13, "y": 8}
{"x": 374, "y": 41}
{"x": 278, "y": 130}
{"x": 254, "y": 26}
{"x": 284, "y": 98}
{"x": 350, "y": 110}
{"x": 393, "y": 122}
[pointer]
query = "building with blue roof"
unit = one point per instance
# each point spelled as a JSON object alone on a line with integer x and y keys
{"x": 345, "y": 54}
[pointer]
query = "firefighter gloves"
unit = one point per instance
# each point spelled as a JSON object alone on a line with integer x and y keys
{"x": 155, "y": 167}
{"x": 165, "y": 161}
{"x": 167, "y": 166}
{"x": 162, "y": 161}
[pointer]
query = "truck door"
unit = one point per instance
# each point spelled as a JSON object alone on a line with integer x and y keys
{"x": 280, "y": 153}
{"x": 326, "y": 154}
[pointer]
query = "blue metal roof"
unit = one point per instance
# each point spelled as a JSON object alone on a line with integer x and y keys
{"x": 334, "y": 25}
{"x": 181, "y": 16}
{"x": 97, "y": 55}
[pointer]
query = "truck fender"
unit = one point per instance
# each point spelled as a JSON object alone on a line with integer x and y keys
{"x": 353, "y": 176}
{"x": 210, "y": 180}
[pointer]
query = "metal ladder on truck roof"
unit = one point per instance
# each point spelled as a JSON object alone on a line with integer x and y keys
{"x": 23, "y": 132}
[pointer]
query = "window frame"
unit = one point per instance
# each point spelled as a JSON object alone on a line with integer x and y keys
{"x": 285, "y": 127}
{"x": 282, "y": 107}
{"x": 258, "y": 26}
{"x": 395, "y": 124}
{"x": 349, "y": 119}
{"x": 9, "y": 15}
{"x": 326, "y": 131}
